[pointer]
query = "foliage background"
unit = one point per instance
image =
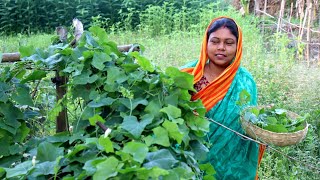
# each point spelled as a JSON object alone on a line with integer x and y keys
{"x": 172, "y": 37}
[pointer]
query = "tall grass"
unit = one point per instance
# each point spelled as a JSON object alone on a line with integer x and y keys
{"x": 172, "y": 38}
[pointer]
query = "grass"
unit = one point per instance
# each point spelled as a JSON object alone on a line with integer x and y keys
{"x": 280, "y": 79}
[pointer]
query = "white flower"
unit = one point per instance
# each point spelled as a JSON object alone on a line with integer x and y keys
{"x": 33, "y": 160}
{"x": 26, "y": 155}
{"x": 71, "y": 128}
{"x": 107, "y": 132}
{"x": 69, "y": 151}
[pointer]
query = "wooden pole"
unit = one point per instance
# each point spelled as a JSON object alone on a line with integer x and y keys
{"x": 280, "y": 15}
{"x": 264, "y": 10}
{"x": 309, "y": 7}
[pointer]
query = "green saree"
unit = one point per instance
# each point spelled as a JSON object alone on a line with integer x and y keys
{"x": 232, "y": 156}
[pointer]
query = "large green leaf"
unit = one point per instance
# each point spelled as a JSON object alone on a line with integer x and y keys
{"x": 173, "y": 131}
{"x": 19, "y": 170}
{"x": 22, "y": 96}
{"x": 90, "y": 166}
{"x": 161, "y": 158}
{"x": 85, "y": 78}
{"x": 106, "y": 169}
{"x": 106, "y": 143}
{"x": 151, "y": 173}
{"x": 116, "y": 74}
{"x": 44, "y": 168}
{"x": 132, "y": 104}
{"x": 181, "y": 79}
{"x": 26, "y": 51}
{"x": 101, "y": 102}
{"x": 98, "y": 60}
{"x": 48, "y": 152}
{"x": 96, "y": 118}
{"x": 34, "y": 75}
{"x": 4, "y": 88}
{"x": 133, "y": 126}
{"x": 137, "y": 150}
{"x": 160, "y": 137}
{"x": 172, "y": 112}
{"x": 143, "y": 62}
{"x": 200, "y": 151}
{"x": 22, "y": 133}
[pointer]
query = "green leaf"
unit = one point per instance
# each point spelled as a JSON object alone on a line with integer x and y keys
{"x": 132, "y": 104}
{"x": 44, "y": 168}
{"x": 181, "y": 79}
{"x": 26, "y": 51}
{"x": 134, "y": 127}
{"x": 4, "y": 88}
{"x": 153, "y": 108}
{"x": 11, "y": 114}
{"x": 98, "y": 60}
{"x": 106, "y": 143}
{"x": 142, "y": 61}
{"x": 22, "y": 133}
{"x": 2, "y": 171}
{"x": 276, "y": 128}
{"x": 101, "y": 102}
{"x": 106, "y": 169}
{"x": 48, "y": 152}
{"x": 173, "y": 130}
{"x": 272, "y": 120}
{"x": 137, "y": 150}
{"x": 152, "y": 173}
{"x": 200, "y": 151}
{"x": 207, "y": 168}
{"x": 99, "y": 32}
{"x": 172, "y": 112}
{"x": 22, "y": 96}
{"x": 161, "y": 158}
{"x": 115, "y": 74}
{"x": 96, "y": 118}
{"x": 90, "y": 166}
{"x": 160, "y": 137}
{"x": 19, "y": 170}
{"x": 85, "y": 78}
{"x": 35, "y": 75}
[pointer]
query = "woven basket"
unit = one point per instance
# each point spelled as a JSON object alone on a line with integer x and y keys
{"x": 278, "y": 139}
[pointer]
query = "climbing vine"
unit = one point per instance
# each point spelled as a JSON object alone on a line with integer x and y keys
{"x": 152, "y": 128}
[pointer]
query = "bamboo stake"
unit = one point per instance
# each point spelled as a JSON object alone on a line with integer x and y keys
{"x": 304, "y": 23}
{"x": 264, "y": 9}
{"x": 308, "y": 33}
{"x": 280, "y": 15}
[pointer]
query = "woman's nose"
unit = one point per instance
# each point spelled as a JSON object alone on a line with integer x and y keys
{"x": 221, "y": 46}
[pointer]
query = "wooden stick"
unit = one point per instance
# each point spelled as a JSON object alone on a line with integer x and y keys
{"x": 308, "y": 33}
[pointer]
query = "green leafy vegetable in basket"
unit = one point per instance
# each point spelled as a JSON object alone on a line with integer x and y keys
{"x": 274, "y": 119}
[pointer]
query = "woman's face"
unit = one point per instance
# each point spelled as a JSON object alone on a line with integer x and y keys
{"x": 222, "y": 47}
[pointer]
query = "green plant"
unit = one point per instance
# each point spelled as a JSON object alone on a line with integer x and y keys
{"x": 274, "y": 119}
{"x": 152, "y": 130}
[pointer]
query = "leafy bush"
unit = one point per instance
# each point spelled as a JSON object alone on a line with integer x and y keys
{"x": 152, "y": 127}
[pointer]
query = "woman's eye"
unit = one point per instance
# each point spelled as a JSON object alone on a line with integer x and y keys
{"x": 229, "y": 42}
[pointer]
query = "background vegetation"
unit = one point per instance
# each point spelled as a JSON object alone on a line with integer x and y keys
{"x": 171, "y": 33}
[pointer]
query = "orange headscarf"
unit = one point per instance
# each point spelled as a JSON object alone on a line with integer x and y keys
{"x": 217, "y": 89}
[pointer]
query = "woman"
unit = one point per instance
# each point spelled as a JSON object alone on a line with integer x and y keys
{"x": 219, "y": 79}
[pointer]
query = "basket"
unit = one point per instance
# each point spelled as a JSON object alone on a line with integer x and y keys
{"x": 278, "y": 139}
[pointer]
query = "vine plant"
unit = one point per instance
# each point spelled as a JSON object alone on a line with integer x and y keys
{"x": 152, "y": 133}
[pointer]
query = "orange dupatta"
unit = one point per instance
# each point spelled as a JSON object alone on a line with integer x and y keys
{"x": 217, "y": 89}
